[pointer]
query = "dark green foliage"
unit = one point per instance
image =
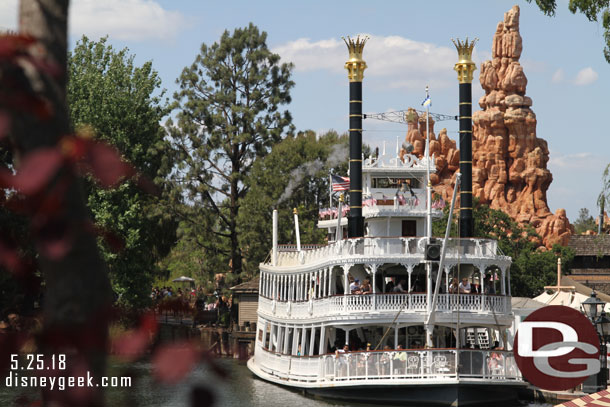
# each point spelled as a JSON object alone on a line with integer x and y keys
{"x": 592, "y": 9}
{"x": 533, "y": 267}
{"x": 123, "y": 106}
{"x": 229, "y": 116}
{"x": 584, "y": 222}
{"x": 312, "y": 157}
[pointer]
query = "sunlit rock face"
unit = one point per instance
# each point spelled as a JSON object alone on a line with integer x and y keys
{"x": 509, "y": 162}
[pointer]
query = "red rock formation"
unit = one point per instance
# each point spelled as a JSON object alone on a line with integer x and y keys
{"x": 509, "y": 162}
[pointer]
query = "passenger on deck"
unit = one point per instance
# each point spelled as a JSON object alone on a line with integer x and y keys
{"x": 489, "y": 285}
{"x": 354, "y": 287}
{"x": 389, "y": 287}
{"x": 400, "y": 287}
{"x": 465, "y": 287}
{"x": 453, "y": 287}
{"x": 366, "y": 287}
{"x": 400, "y": 359}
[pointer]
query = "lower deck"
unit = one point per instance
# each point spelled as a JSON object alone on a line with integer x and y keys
{"x": 430, "y": 377}
{"x": 391, "y": 366}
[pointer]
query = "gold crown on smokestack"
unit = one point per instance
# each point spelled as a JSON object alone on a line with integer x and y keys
{"x": 356, "y": 65}
{"x": 465, "y": 66}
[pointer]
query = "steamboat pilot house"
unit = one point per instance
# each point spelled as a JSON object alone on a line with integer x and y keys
{"x": 317, "y": 333}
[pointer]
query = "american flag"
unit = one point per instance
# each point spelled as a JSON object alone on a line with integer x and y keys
{"x": 340, "y": 183}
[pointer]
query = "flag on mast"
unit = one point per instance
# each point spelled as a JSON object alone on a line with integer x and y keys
{"x": 427, "y": 102}
{"x": 340, "y": 183}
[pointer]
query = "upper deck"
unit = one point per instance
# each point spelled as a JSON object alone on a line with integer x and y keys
{"x": 385, "y": 250}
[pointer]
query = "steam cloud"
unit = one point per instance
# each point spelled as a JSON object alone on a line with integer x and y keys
{"x": 337, "y": 155}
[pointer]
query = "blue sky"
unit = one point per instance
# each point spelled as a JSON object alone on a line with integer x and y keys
{"x": 410, "y": 47}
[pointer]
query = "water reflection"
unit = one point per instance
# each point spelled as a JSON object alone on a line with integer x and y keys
{"x": 240, "y": 389}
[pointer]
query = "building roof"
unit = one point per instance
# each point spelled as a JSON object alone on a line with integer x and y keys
{"x": 247, "y": 287}
{"x": 590, "y": 245}
{"x": 525, "y": 303}
{"x": 583, "y": 289}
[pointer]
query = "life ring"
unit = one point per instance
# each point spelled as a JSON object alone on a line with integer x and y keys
{"x": 412, "y": 330}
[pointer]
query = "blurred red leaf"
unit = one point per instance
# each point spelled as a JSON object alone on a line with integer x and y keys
{"x": 11, "y": 45}
{"x": 5, "y": 124}
{"x": 146, "y": 185}
{"x": 9, "y": 257}
{"x": 36, "y": 169}
{"x": 107, "y": 166}
{"x": 149, "y": 323}
{"x": 131, "y": 345}
{"x": 114, "y": 241}
{"x": 134, "y": 343}
{"x": 54, "y": 239}
{"x": 171, "y": 363}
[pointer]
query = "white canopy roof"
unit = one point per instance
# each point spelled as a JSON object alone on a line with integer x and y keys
{"x": 183, "y": 279}
{"x": 570, "y": 298}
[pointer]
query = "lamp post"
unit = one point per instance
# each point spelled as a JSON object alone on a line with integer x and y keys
{"x": 593, "y": 308}
{"x": 603, "y": 329}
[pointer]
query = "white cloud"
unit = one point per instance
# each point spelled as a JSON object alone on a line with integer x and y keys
{"x": 393, "y": 61}
{"x": 577, "y": 161}
{"x": 131, "y": 20}
{"x": 135, "y": 20}
{"x": 558, "y": 76}
{"x": 585, "y": 76}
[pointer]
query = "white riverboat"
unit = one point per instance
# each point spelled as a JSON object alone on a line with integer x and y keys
{"x": 307, "y": 310}
{"x": 411, "y": 337}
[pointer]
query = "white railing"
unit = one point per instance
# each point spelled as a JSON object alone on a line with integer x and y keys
{"x": 363, "y": 303}
{"x": 384, "y": 247}
{"x": 396, "y": 365}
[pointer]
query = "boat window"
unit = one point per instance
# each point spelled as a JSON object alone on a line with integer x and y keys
{"x": 409, "y": 228}
{"x": 395, "y": 183}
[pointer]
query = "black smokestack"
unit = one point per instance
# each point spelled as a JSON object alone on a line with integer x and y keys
{"x": 466, "y": 219}
{"x": 355, "y": 67}
{"x": 465, "y": 68}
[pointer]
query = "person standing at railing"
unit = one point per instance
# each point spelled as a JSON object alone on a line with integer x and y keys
{"x": 354, "y": 287}
{"x": 400, "y": 359}
{"x": 489, "y": 285}
{"x": 465, "y": 287}
{"x": 385, "y": 361}
{"x": 454, "y": 286}
{"x": 496, "y": 362}
{"x": 366, "y": 287}
{"x": 341, "y": 360}
{"x": 400, "y": 287}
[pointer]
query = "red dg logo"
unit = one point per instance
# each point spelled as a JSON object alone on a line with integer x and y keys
{"x": 557, "y": 348}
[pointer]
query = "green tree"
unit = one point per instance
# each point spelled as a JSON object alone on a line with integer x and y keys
{"x": 121, "y": 104}
{"x": 293, "y": 175}
{"x": 584, "y": 222}
{"x": 229, "y": 116}
{"x": 533, "y": 266}
{"x": 592, "y": 9}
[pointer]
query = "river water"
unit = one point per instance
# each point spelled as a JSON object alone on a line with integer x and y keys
{"x": 239, "y": 389}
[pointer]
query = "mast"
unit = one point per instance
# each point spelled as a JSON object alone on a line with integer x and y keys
{"x": 429, "y": 186}
{"x": 465, "y": 68}
{"x": 355, "y": 68}
{"x": 428, "y": 214}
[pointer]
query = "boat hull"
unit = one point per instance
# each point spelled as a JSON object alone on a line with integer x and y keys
{"x": 454, "y": 393}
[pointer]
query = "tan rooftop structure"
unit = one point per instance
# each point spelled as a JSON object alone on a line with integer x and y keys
{"x": 591, "y": 264}
{"x": 246, "y": 296}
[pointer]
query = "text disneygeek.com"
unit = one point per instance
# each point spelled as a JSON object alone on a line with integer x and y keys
{"x": 37, "y": 363}
{"x": 63, "y": 382}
